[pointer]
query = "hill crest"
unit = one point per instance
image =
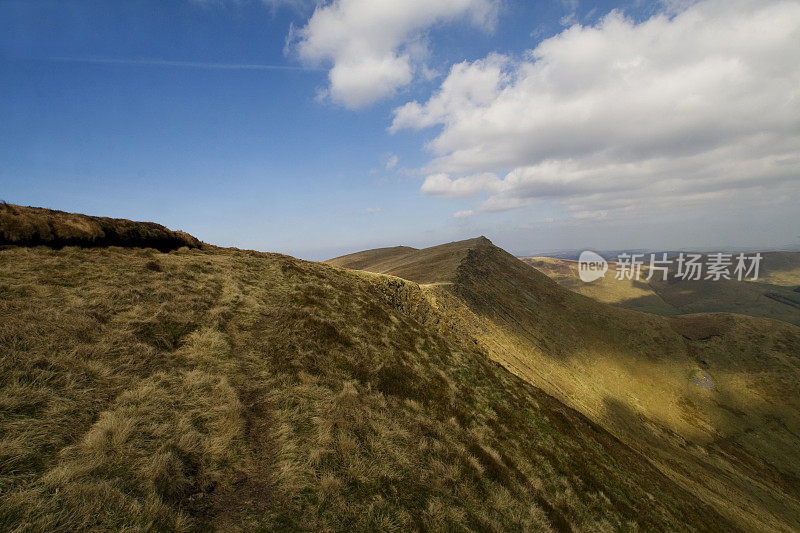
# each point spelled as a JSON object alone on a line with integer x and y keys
{"x": 673, "y": 388}
{"x": 435, "y": 264}
{"x": 38, "y": 226}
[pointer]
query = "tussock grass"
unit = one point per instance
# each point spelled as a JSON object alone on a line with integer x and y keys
{"x": 35, "y": 226}
{"x": 169, "y": 439}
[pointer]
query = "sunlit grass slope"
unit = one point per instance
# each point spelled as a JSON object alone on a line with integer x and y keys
{"x": 713, "y": 401}
{"x": 775, "y": 294}
{"x": 240, "y": 391}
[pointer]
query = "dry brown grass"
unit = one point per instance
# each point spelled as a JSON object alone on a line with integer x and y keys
{"x": 735, "y": 447}
{"x": 431, "y": 265}
{"x": 35, "y": 226}
{"x": 241, "y": 391}
{"x": 371, "y": 258}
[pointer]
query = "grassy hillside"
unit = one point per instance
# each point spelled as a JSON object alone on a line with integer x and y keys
{"x": 241, "y": 391}
{"x": 776, "y": 294}
{"x": 373, "y": 258}
{"x": 710, "y": 400}
{"x": 34, "y": 226}
{"x": 431, "y": 265}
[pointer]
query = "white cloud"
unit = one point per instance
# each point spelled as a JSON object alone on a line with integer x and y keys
{"x": 377, "y": 46}
{"x": 463, "y": 214}
{"x": 569, "y": 19}
{"x": 691, "y": 107}
{"x": 444, "y": 186}
{"x": 392, "y": 162}
{"x": 372, "y": 210}
{"x": 572, "y": 12}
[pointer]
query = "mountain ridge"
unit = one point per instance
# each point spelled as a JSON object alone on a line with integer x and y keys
{"x": 640, "y": 376}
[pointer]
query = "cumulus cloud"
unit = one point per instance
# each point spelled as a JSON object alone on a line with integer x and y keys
{"x": 392, "y": 162}
{"x": 697, "y": 104}
{"x": 463, "y": 214}
{"x": 443, "y": 185}
{"x": 375, "y": 47}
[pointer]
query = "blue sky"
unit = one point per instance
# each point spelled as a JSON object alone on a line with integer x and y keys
{"x": 171, "y": 111}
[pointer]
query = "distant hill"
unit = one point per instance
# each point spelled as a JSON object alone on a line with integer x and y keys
{"x": 776, "y": 294}
{"x": 35, "y": 226}
{"x": 373, "y": 258}
{"x": 711, "y": 400}
{"x": 437, "y": 264}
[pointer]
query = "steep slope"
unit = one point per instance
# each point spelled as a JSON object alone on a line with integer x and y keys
{"x": 240, "y": 391}
{"x": 710, "y": 400}
{"x": 776, "y": 293}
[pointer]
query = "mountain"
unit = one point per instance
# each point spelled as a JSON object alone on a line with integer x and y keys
{"x": 775, "y": 294}
{"x": 220, "y": 389}
{"x": 210, "y": 388}
{"x": 710, "y": 400}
